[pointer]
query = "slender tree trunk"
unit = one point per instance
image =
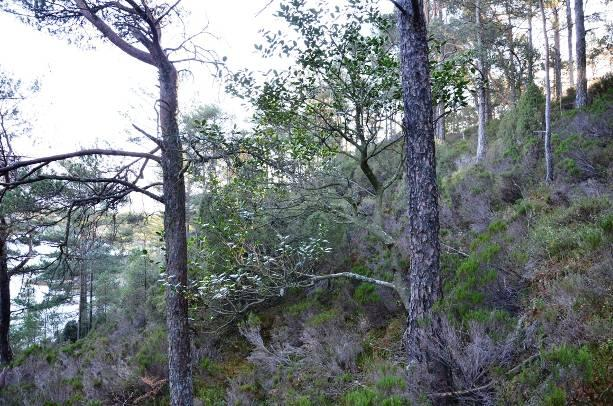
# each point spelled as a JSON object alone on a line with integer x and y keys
{"x": 557, "y": 58}
{"x": 511, "y": 74}
{"x": 569, "y": 30}
{"x": 481, "y": 93}
{"x": 530, "y": 45}
{"x": 6, "y": 355}
{"x": 581, "y": 87}
{"x": 179, "y": 358}
{"x": 424, "y": 276}
{"x": 548, "y": 152}
{"x": 82, "y": 327}
{"x": 440, "y": 122}
{"x": 91, "y": 301}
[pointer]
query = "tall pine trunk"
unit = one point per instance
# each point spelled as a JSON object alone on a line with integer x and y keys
{"x": 82, "y": 326}
{"x": 547, "y": 138}
{"x": 581, "y": 87}
{"x": 569, "y": 30}
{"x": 179, "y": 358}
{"x": 557, "y": 58}
{"x": 530, "y": 45}
{"x": 424, "y": 276}
{"x": 481, "y": 92}
{"x": 6, "y": 355}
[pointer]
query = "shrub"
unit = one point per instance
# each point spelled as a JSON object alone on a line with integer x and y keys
{"x": 567, "y": 356}
{"x": 151, "y": 357}
{"x": 361, "y": 397}
{"x": 389, "y": 382}
{"x": 365, "y": 293}
{"x": 518, "y": 124}
{"x": 554, "y": 397}
{"x": 323, "y": 317}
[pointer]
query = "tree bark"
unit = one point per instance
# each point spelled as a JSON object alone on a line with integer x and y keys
{"x": 6, "y": 355}
{"x": 581, "y": 87}
{"x": 179, "y": 358}
{"x": 179, "y": 347}
{"x": 547, "y": 138}
{"x": 481, "y": 93}
{"x": 440, "y": 122}
{"x": 569, "y": 30}
{"x": 82, "y": 327}
{"x": 91, "y": 301}
{"x": 530, "y": 45}
{"x": 424, "y": 276}
{"x": 557, "y": 58}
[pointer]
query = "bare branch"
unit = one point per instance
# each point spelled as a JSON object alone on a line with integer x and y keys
{"x": 85, "y": 152}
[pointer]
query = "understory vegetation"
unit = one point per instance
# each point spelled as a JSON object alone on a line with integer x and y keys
{"x": 404, "y": 209}
{"x": 527, "y": 295}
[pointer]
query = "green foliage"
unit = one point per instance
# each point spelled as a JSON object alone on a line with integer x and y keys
{"x": 566, "y": 356}
{"x": 572, "y": 232}
{"x": 300, "y": 307}
{"x": 208, "y": 365}
{"x": 211, "y": 395}
{"x": 555, "y": 396}
{"x": 151, "y": 355}
{"x": 323, "y": 317}
{"x": 361, "y": 397}
{"x": 389, "y": 382}
{"x": 366, "y": 293}
{"x": 518, "y": 124}
{"x": 374, "y": 397}
{"x": 301, "y": 401}
{"x": 469, "y": 278}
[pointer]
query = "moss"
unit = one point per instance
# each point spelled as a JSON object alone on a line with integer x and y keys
{"x": 366, "y": 293}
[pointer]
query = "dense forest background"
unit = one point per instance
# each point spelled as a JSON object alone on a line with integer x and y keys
{"x": 313, "y": 249}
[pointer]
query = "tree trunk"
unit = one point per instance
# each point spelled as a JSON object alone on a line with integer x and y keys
{"x": 557, "y": 58}
{"x": 179, "y": 358}
{"x": 481, "y": 94}
{"x": 581, "y": 87}
{"x": 440, "y": 122}
{"x": 530, "y": 45}
{"x": 91, "y": 301}
{"x": 511, "y": 74}
{"x": 424, "y": 275}
{"x": 82, "y": 327}
{"x": 569, "y": 30}
{"x": 548, "y": 152}
{"x": 6, "y": 355}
